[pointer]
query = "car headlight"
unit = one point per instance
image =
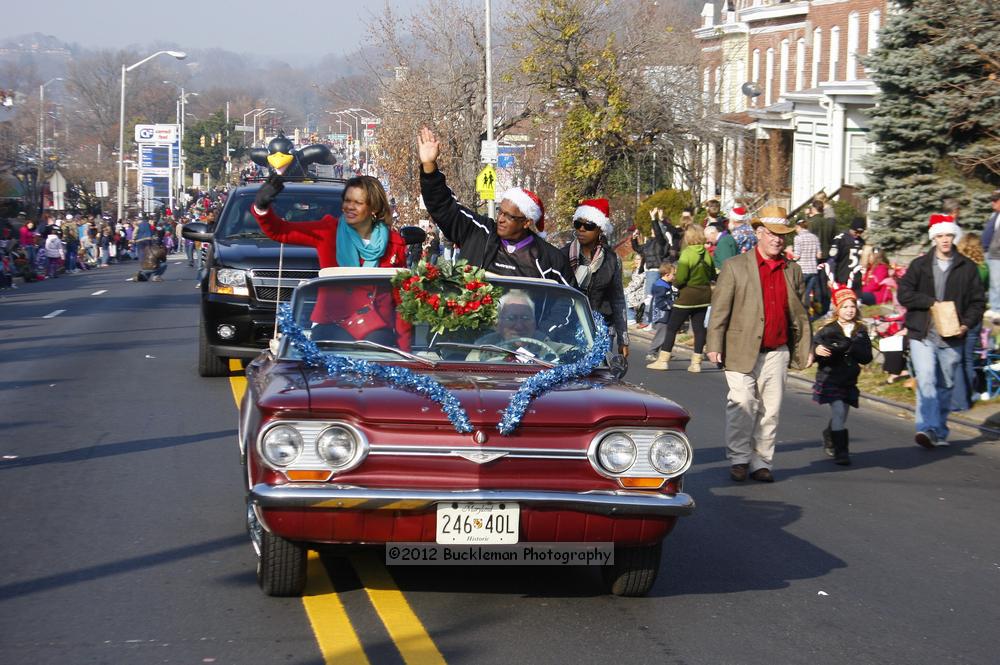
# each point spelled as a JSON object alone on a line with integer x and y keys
{"x": 616, "y": 453}
{"x": 229, "y": 280}
{"x": 282, "y": 445}
{"x": 669, "y": 453}
{"x": 337, "y": 446}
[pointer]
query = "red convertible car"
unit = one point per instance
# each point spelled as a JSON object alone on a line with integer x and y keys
{"x": 361, "y": 428}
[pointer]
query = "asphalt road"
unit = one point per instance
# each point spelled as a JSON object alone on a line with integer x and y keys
{"x": 121, "y": 509}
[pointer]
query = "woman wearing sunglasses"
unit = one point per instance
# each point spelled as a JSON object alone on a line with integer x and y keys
{"x": 597, "y": 268}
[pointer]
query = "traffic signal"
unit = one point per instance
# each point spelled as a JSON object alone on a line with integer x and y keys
{"x": 201, "y": 141}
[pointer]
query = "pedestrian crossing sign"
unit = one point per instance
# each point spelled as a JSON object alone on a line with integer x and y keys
{"x": 486, "y": 183}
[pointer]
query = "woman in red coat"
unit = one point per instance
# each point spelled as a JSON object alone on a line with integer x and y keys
{"x": 361, "y": 237}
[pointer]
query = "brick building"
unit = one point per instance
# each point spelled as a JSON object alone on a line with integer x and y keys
{"x": 792, "y": 95}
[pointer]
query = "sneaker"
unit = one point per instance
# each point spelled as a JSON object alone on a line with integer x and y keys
{"x": 926, "y": 439}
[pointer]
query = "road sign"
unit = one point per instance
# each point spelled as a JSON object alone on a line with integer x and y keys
{"x": 488, "y": 152}
{"x": 486, "y": 183}
{"x": 505, "y": 161}
{"x": 243, "y": 128}
{"x": 101, "y": 189}
{"x": 369, "y": 133}
{"x": 371, "y": 121}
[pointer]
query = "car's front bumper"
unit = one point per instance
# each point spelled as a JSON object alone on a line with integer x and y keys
{"x": 347, "y": 497}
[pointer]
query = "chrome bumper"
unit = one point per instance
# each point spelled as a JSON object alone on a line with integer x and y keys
{"x": 347, "y": 497}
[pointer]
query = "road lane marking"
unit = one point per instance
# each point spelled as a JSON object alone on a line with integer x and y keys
{"x": 402, "y": 624}
{"x": 337, "y": 639}
{"x": 238, "y": 384}
{"x": 97, "y": 293}
{"x": 52, "y": 315}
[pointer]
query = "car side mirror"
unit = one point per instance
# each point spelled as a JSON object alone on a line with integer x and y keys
{"x": 413, "y": 235}
{"x": 199, "y": 231}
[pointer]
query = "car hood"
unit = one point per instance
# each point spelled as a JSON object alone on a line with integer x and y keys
{"x": 251, "y": 253}
{"x": 576, "y": 404}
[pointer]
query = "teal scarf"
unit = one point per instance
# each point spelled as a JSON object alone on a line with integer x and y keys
{"x": 351, "y": 248}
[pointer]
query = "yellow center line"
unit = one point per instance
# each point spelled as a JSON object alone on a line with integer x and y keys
{"x": 237, "y": 383}
{"x": 403, "y": 626}
{"x": 338, "y": 642}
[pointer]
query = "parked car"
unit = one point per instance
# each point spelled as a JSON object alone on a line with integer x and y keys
{"x": 335, "y": 455}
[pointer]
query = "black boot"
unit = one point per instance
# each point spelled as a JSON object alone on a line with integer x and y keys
{"x": 828, "y": 441}
{"x": 841, "y": 441}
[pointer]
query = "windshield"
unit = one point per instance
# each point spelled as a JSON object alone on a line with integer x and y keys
{"x": 293, "y": 206}
{"x": 538, "y": 323}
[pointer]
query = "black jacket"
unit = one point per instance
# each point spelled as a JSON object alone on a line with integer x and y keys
{"x": 477, "y": 234}
{"x": 963, "y": 287}
{"x": 606, "y": 292}
{"x": 842, "y": 367}
{"x": 660, "y": 246}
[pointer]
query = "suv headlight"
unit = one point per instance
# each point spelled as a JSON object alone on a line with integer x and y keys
{"x": 616, "y": 453}
{"x": 337, "y": 446}
{"x": 230, "y": 281}
{"x": 669, "y": 454}
{"x": 282, "y": 445}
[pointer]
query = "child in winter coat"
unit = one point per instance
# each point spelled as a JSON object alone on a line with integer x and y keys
{"x": 663, "y": 303}
{"x": 840, "y": 348}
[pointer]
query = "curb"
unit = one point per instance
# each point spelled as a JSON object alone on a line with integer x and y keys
{"x": 873, "y": 400}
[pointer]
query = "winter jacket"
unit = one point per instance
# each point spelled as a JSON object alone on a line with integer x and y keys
{"x": 695, "y": 272}
{"x": 663, "y": 301}
{"x": 963, "y": 287}
{"x": 477, "y": 234}
{"x": 53, "y": 247}
{"x": 605, "y": 292}
{"x": 725, "y": 248}
{"x": 841, "y": 368}
{"x": 660, "y": 247}
{"x": 988, "y": 230}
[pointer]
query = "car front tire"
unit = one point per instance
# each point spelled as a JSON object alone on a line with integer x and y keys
{"x": 634, "y": 571}
{"x": 281, "y": 566}
{"x": 209, "y": 364}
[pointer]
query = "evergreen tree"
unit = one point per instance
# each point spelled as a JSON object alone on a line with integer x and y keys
{"x": 937, "y": 120}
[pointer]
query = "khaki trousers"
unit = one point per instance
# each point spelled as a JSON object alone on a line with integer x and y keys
{"x": 752, "y": 408}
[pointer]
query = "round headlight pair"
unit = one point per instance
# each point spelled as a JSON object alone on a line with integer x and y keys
{"x": 668, "y": 453}
{"x": 336, "y": 445}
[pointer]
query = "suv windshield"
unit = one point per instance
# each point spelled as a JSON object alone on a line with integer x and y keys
{"x": 539, "y": 323}
{"x": 293, "y": 206}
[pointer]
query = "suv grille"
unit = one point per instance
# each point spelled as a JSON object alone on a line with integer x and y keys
{"x": 266, "y": 283}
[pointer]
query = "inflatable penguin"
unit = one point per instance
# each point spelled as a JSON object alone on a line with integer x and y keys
{"x": 281, "y": 157}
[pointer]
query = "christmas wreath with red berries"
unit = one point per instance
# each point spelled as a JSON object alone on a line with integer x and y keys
{"x": 447, "y": 296}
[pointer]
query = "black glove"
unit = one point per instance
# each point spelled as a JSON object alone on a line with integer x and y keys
{"x": 270, "y": 189}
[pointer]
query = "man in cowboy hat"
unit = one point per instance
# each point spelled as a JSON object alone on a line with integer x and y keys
{"x": 505, "y": 246}
{"x": 758, "y": 328}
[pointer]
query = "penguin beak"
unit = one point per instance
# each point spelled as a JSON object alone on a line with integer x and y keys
{"x": 279, "y": 161}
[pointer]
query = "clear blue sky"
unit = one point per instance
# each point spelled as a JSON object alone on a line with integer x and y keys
{"x": 313, "y": 28}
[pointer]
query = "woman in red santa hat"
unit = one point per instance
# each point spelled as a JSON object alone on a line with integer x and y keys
{"x": 596, "y": 267}
{"x": 505, "y": 246}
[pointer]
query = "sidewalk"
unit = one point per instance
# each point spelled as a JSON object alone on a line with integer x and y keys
{"x": 982, "y": 418}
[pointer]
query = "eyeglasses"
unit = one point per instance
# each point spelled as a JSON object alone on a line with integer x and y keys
{"x": 520, "y": 219}
{"x": 580, "y": 224}
{"x": 514, "y": 318}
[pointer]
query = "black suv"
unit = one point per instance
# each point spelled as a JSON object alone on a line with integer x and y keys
{"x": 242, "y": 287}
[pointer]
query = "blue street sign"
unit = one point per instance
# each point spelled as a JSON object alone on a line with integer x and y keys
{"x": 505, "y": 161}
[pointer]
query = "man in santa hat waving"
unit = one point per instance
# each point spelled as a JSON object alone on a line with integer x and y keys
{"x": 506, "y": 246}
{"x": 944, "y": 280}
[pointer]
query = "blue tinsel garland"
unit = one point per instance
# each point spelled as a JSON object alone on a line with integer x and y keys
{"x": 397, "y": 377}
{"x": 553, "y": 377}
{"x": 405, "y": 379}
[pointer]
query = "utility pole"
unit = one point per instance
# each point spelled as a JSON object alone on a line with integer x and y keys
{"x": 491, "y": 205}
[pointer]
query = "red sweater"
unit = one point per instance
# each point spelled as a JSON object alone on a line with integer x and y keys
{"x": 322, "y": 234}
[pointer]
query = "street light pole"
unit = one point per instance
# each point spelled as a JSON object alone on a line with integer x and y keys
{"x": 41, "y": 121}
{"x": 180, "y": 55}
{"x": 491, "y": 204}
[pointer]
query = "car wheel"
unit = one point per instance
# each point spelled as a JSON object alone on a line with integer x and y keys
{"x": 209, "y": 364}
{"x": 634, "y": 571}
{"x": 281, "y": 564}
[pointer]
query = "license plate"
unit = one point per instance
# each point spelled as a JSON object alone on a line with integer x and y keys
{"x": 477, "y": 523}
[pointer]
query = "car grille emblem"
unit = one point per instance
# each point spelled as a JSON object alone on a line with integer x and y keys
{"x": 480, "y": 457}
{"x": 479, "y": 437}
